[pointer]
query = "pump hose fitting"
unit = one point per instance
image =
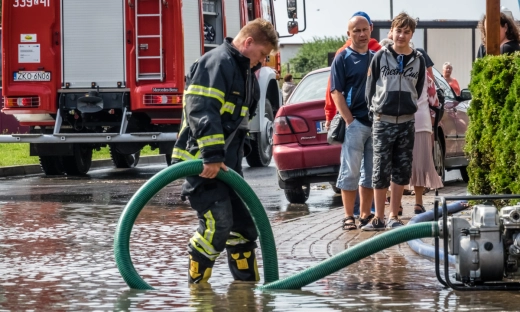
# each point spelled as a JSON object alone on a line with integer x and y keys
{"x": 159, "y": 181}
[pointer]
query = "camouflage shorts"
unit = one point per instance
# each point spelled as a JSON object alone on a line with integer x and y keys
{"x": 393, "y": 153}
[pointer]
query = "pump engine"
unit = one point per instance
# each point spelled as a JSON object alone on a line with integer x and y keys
{"x": 486, "y": 248}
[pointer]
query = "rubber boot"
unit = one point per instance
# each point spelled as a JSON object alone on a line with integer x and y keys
{"x": 242, "y": 264}
{"x": 199, "y": 269}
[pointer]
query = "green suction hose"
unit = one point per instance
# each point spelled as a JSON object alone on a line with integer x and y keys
{"x": 159, "y": 181}
{"x": 354, "y": 254}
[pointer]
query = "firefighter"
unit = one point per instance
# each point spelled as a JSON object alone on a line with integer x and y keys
{"x": 220, "y": 98}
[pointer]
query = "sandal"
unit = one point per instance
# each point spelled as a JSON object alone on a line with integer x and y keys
{"x": 349, "y": 226}
{"x": 420, "y": 210}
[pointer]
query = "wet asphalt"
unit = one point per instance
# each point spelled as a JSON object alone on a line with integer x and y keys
{"x": 56, "y": 252}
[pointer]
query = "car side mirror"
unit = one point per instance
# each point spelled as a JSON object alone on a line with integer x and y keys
{"x": 292, "y": 27}
{"x": 292, "y": 9}
{"x": 465, "y": 95}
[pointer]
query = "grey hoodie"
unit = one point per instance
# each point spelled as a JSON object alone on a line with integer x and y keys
{"x": 287, "y": 89}
{"x": 389, "y": 92}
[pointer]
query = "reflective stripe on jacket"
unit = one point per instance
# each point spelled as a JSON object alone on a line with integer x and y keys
{"x": 221, "y": 88}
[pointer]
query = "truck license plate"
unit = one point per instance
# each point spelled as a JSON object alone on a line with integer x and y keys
{"x": 320, "y": 127}
{"x": 32, "y": 76}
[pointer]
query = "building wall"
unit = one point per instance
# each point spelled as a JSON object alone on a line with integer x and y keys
{"x": 454, "y": 46}
{"x": 288, "y": 51}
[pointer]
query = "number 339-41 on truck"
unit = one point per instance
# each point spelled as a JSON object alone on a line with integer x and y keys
{"x": 89, "y": 74}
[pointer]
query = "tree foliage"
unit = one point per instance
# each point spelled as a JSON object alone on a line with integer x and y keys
{"x": 492, "y": 140}
{"x": 314, "y": 54}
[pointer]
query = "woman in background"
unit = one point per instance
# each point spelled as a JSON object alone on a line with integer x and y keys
{"x": 509, "y": 35}
{"x": 447, "y": 69}
{"x": 287, "y": 87}
{"x": 424, "y": 174}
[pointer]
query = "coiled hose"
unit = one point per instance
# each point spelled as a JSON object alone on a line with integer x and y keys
{"x": 163, "y": 178}
{"x": 427, "y": 250}
{"x": 354, "y": 254}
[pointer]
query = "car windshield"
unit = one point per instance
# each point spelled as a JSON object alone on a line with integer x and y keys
{"x": 448, "y": 93}
{"x": 311, "y": 88}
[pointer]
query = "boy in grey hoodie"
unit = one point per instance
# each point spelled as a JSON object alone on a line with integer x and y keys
{"x": 395, "y": 80}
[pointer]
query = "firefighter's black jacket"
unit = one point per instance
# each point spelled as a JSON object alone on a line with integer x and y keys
{"x": 221, "y": 89}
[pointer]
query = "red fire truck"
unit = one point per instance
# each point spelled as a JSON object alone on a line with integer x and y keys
{"x": 89, "y": 74}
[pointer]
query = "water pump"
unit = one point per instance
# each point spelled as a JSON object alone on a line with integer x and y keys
{"x": 486, "y": 247}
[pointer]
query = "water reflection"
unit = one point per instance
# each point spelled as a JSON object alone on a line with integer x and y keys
{"x": 56, "y": 254}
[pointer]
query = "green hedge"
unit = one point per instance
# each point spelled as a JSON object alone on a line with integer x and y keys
{"x": 492, "y": 139}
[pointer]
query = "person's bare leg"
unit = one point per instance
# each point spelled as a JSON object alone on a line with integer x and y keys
{"x": 348, "y": 198}
{"x": 366, "y": 196}
{"x": 395, "y": 200}
{"x": 379, "y": 200}
{"x": 418, "y": 194}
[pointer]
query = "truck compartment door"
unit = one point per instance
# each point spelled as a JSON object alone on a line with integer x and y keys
{"x": 192, "y": 43}
{"x": 93, "y": 43}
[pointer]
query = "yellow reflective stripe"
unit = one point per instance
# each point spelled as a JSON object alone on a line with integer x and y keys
{"x": 228, "y": 107}
{"x": 210, "y": 227}
{"x": 244, "y": 111}
{"x": 211, "y": 140}
{"x": 182, "y": 154}
{"x": 205, "y": 91}
{"x": 203, "y": 246}
{"x": 238, "y": 239}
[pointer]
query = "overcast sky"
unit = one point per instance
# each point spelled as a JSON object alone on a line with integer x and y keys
{"x": 330, "y": 17}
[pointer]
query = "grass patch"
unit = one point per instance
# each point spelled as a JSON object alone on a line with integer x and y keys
{"x": 17, "y": 154}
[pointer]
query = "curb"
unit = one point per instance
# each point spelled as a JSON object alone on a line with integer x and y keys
{"x": 96, "y": 164}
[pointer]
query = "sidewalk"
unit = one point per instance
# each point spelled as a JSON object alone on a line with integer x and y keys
{"x": 96, "y": 164}
{"x": 319, "y": 236}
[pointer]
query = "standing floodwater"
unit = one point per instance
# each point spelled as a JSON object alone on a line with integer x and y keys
{"x": 56, "y": 253}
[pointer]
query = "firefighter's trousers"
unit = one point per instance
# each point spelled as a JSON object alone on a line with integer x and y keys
{"x": 224, "y": 222}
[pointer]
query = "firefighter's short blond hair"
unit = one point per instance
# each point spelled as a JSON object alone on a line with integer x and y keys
{"x": 262, "y": 32}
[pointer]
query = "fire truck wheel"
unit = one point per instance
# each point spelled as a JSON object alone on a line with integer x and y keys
{"x": 124, "y": 160}
{"x": 168, "y": 158}
{"x": 51, "y": 165}
{"x": 80, "y": 162}
{"x": 262, "y": 147}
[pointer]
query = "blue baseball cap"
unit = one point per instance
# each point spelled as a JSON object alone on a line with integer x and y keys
{"x": 361, "y": 13}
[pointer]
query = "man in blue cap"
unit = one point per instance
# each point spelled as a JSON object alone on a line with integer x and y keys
{"x": 348, "y": 76}
{"x": 330, "y": 106}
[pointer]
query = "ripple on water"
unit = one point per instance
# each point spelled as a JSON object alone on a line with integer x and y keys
{"x": 67, "y": 263}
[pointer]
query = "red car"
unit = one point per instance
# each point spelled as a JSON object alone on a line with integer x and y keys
{"x": 303, "y": 156}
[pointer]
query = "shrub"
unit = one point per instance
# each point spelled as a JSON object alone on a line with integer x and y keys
{"x": 314, "y": 55}
{"x": 492, "y": 140}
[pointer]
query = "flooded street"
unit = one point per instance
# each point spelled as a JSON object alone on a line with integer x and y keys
{"x": 56, "y": 254}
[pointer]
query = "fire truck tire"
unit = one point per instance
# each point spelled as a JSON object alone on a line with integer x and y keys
{"x": 51, "y": 165}
{"x": 124, "y": 160}
{"x": 262, "y": 147}
{"x": 168, "y": 158}
{"x": 80, "y": 162}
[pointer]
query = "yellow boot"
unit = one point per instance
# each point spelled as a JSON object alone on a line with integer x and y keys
{"x": 242, "y": 264}
{"x": 200, "y": 271}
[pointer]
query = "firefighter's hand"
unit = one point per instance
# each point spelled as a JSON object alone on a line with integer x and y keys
{"x": 211, "y": 170}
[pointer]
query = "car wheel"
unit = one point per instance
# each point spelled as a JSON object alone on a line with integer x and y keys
{"x": 464, "y": 174}
{"x": 334, "y": 188}
{"x": 438, "y": 159}
{"x": 298, "y": 195}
